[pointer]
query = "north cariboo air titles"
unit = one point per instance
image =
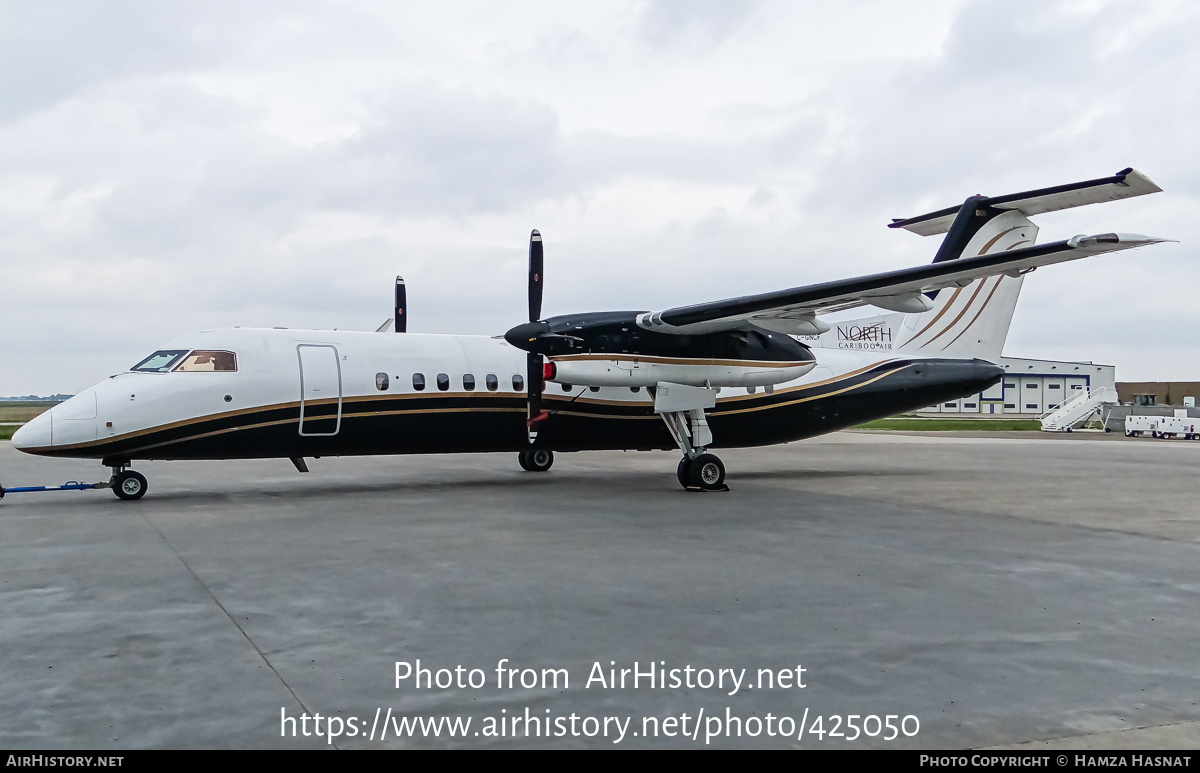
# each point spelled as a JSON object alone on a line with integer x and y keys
{"x": 638, "y": 675}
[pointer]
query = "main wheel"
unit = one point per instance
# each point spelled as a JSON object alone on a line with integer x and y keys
{"x": 129, "y": 485}
{"x": 706, "y": 472}
{"x": 683, "y": 470}
{"x": 536, "y": 460}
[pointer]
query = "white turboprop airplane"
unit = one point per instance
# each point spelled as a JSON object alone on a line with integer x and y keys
{"x": 749, "y": 371}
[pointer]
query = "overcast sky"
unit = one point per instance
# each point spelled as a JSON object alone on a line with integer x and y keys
{"x": 169, "y": 167}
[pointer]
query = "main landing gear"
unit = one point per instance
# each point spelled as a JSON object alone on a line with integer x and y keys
{"x": 706, "y": 472}
{"x": 682, "y": 410}
{"x": 535, "y": 459}
{"x": 127, "y": 484}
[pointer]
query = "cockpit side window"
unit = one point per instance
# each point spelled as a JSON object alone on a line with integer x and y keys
{"x": 160, "y": 362}
{"x": 206, "y": 359}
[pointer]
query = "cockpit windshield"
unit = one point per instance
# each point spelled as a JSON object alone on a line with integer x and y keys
{"x": 160, "y": 362}
{"x": 204, "y": 359}
{"x": 166, "y": 360}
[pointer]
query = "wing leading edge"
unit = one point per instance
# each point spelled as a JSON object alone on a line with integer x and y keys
{"x": 794, "y": 311}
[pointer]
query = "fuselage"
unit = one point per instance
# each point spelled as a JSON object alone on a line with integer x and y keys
{"x": 251, "y": 393}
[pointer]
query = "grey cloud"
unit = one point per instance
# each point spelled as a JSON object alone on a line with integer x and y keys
{"x": 701, "y": 22}
{"x": 49, "y": 51}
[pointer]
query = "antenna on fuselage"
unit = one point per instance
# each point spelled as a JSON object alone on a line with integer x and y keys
{"x": 401, "y": 306}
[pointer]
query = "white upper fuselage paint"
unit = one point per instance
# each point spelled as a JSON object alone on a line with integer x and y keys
{"x": 269, "y": 373}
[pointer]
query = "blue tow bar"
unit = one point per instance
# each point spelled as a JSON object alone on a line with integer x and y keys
{"x": 71, "y": 485}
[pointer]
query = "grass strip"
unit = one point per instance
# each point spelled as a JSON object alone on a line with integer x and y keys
{"x": 954, "y": 425}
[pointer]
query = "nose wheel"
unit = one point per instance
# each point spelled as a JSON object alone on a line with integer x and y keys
{"x": 129, "y": 485}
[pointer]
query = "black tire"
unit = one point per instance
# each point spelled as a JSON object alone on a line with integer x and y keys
{"x": 536, "y": 459}
{"x": 706, "y": 472}
{"x": 683, "y": 470}
{"x": 129, "y": 485}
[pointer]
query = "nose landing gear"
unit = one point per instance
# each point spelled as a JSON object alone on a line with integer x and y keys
{"x": 125, "y": 483}
{"x": 129, "y": 485}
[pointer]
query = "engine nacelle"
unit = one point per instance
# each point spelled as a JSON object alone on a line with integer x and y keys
{"x": 642, "y": 371}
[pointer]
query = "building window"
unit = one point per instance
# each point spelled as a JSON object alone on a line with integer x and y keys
{"x": 1009, "y": 386}
{"x": 469, "y": 382}
{"x": 1031, "y": 405}
{"x": 518, "y": 383}
{"x": 951, "y": 405}
{"x": 492, "y": 382}
{"x": 970, "y": 405}
{"x": 419, "y": 382}
{"x": 1010, "y": 405}
{"x": 1031, "y": 386}
{"x": 443, "y": 381}
{"x": 381, "y": 381}
{"x": 1055, "y": 386}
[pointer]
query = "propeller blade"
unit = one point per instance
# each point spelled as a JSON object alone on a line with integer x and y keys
{"x": 534, "y": 384}
{"x": 401, "y": 306}
{"x": 535, "y": 276}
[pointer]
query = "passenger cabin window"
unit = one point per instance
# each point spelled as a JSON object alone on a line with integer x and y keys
{"x": 443, "y": 381}
{"x": 469, "y": 382}
{"x": 161, "y": 361}
{"x": 419, "y": 382}
{"x": 381, "y": 381}
{"x": 492, "y": 382}
{"x": 203, "y": 359}
{"x": 518, "y": 384}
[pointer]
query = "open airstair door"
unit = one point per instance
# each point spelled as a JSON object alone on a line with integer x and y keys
{"x": 320, "y": 390}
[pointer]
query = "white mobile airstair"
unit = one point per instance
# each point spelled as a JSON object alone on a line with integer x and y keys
{"x": 1077, "y": 409}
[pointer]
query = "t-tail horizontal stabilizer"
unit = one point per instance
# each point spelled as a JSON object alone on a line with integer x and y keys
{"x": 1123, "y": 185}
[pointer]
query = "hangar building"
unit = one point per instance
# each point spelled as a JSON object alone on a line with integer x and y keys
{"x": 1030, "y": 387}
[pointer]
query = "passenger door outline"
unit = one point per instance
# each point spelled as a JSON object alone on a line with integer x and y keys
{"x": 319, "y": 376}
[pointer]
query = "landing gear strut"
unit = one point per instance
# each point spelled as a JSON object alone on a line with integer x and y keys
{"x": 536, "y": 459}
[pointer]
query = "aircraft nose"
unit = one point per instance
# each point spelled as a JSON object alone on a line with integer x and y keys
{"x": 34, "y": 435}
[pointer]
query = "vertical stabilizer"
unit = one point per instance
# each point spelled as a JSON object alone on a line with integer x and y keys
{"x": 968, "y": 321}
